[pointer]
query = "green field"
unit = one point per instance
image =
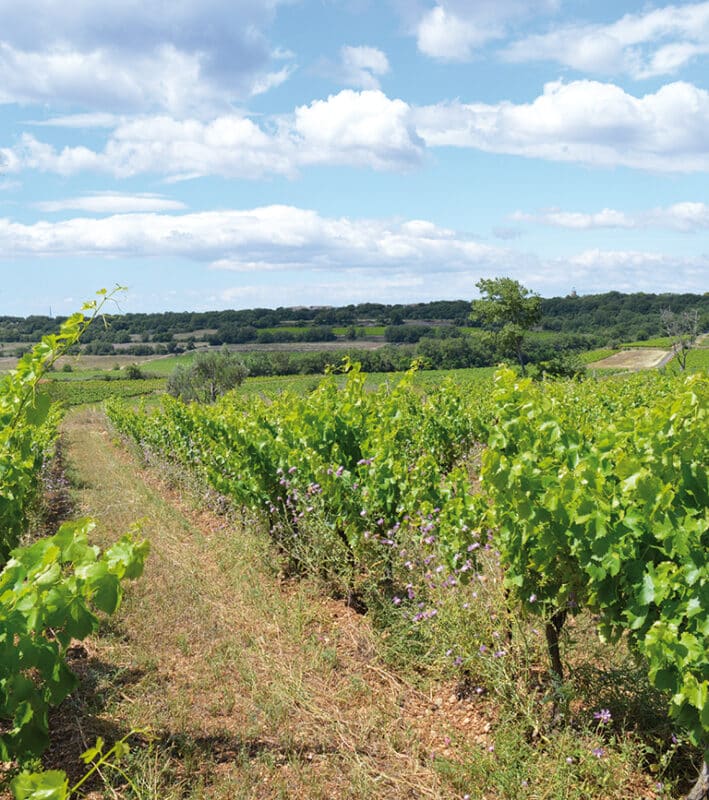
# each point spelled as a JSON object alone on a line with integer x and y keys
{"x": 368, "y": 330}
{"x": 73, "y": 389}
{"x": 164, "y": 366}
{"x": 302, "y": 384}
{"x": 96, "y": 373}
{"x": 698, "y": 359}
{"x": 74, "y": 393}
{"x": 596, "y": 355}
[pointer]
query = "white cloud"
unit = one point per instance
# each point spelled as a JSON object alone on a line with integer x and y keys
{"x": 599, "y": 270}
{"x": 444, "y": 35}
{"x": 583, "y": 121}
{"x": 113, "y": 203}
{"x": 270, "y": 80}
{"x": 586, "y": 122}
{"x": 97, "y": 119}
{"x": 687, "y": 216}
{"x": 644, "y": 45}
{"x": 352, "y": 128}
{"x": 454, "y": 29}
{"x": 359, "y": 128}
{"x": 355, "y": 258}
{"x": 347, "y": 258}
{"x": 607, "y": 218}
{"x": 360, "y": 66}
{"x": 164, "y": 78}
{"x": 134, "y": 57}
{"x": 237, "y": 240}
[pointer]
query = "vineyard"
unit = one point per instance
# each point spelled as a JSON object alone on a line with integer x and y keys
{"x": 72, "y": 393}
{"x": 496, "y": 530}
{"x": 592, "y": 496}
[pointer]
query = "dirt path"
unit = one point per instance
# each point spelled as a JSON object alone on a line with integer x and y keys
{"x": 252, "y": 688}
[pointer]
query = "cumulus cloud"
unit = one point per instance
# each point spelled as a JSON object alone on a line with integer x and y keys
{"x": 586, "y": 122}
{"x": 686, "y": 216}
{"x": 644, "y": 45}
{"x": 113, "y": 203}
{"x": 353, "y": 128}
{"x": 583, "y": 121}
{"x": 454, "y": 29}
{"x": 133, "y": 57}
{"x": 362, "y": 128}
{"x": 274, "y": 237}
{"x": 346, "y": 258}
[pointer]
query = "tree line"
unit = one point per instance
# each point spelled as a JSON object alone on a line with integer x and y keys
{"x": 612, "y": 315}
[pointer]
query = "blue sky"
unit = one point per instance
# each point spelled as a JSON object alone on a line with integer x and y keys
{"x": 227, "y": 154}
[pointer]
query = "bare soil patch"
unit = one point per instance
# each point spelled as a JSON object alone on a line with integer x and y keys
{"x": 637, "y": 358}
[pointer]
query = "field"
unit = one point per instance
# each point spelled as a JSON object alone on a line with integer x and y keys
{"x": 91, "y": 386}
{"x": 367, "y": 586}
{"x": 302, "y": 384}
{"x": 366, "y": 331}
{"x": 80, "y": 392}
{"x": 698, "y": 359}
{"x": 661, "y": 342}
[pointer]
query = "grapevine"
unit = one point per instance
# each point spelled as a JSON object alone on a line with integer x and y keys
{"x": 51, "y": 590}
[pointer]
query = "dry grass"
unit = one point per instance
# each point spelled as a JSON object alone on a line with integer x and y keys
{"x": 252, "y": 688}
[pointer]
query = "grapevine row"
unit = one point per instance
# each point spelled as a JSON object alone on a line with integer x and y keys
{"x": 595, "y": 493}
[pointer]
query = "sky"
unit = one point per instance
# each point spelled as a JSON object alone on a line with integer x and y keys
{"x": 211, "y": 154}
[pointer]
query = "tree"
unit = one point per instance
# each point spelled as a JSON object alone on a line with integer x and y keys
{"x": 682, "y": 328}
{"x": 134, "y": 372}
{"x": 509, "y": 310}
{"x": 210, "y": 375}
